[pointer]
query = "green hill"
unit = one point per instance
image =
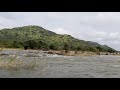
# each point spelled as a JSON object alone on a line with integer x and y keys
{"x": 35, "y": 37}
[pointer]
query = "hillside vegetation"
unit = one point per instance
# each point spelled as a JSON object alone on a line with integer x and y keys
{"x": 35, "y": 37}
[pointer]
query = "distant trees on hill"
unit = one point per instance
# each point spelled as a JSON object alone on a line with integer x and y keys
{"x": 35, "y": 37}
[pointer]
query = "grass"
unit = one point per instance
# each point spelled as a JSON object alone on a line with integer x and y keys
{"x": 15, "y": 64}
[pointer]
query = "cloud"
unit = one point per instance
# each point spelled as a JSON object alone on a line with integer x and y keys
{"x": 7, "y": 15}
{"x": 101, "y": 36}
{"x": 60, "y": 31}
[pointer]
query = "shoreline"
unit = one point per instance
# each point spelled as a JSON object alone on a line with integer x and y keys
{"x": 66, "y": 53}
{"x": 80, "y": 53}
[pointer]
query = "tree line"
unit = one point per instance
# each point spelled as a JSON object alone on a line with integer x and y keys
{"x": 35, "y": 37}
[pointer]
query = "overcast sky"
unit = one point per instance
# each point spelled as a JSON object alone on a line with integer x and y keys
{"x": 101, "y": 27}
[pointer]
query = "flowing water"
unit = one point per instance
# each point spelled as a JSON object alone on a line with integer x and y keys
{"x": 55, "y": 66}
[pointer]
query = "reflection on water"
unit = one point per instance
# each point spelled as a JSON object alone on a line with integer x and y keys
{"x": 55, "y": 66}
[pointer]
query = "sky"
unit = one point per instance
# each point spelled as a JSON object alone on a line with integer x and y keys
{"x": 100, "y": 27}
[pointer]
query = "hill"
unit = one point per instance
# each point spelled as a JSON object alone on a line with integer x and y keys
{"x": 35, "y": 37}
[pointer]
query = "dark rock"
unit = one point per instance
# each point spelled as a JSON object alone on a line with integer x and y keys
{"x": 2, "y": 54}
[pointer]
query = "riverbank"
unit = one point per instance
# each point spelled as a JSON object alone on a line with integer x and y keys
{"x": 80, "y": 53}
{"x": 67, "y": 53}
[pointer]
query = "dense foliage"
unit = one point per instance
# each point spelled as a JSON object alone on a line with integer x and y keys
{"x": 35, "y": 37}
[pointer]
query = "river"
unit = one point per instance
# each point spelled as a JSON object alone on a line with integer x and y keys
{"x": 56, "y": 66}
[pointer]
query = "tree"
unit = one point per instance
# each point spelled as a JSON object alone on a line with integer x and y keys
{"x": 111, "y": 50}
{"x": 32, "y": 44}
{"x": 93, "y": 49}
{"x": 66, "y": 46}
{"x": 78, "y": 48}
{"x": 42, "y": 45}
{"x": 99, "y": 48}
{"x": 53, "y": 47}
{"x": 15, "y": 44}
